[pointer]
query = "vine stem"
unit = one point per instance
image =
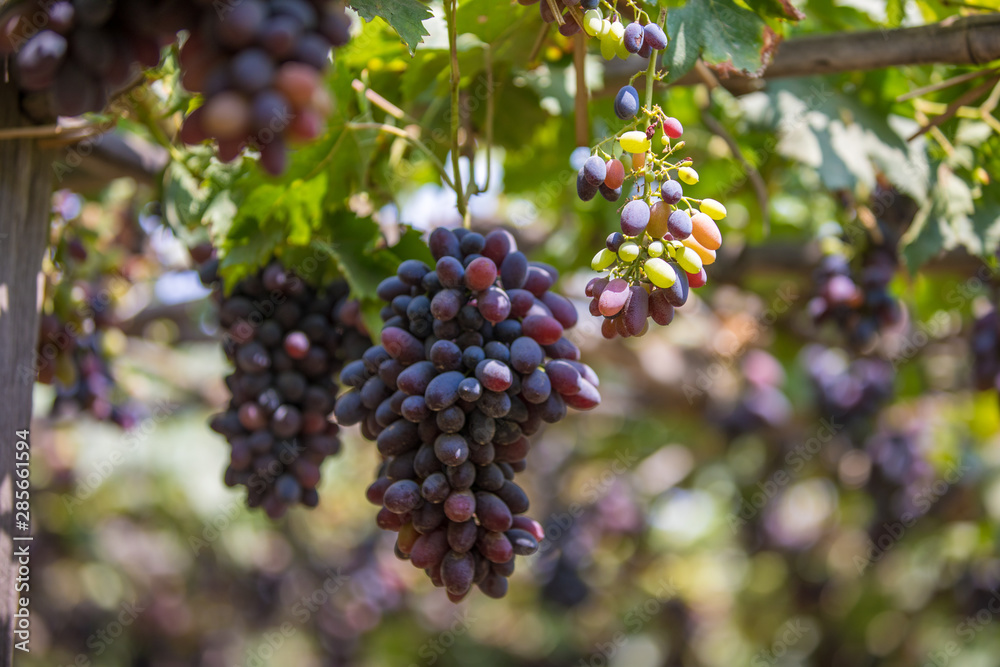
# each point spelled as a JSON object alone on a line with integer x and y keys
{"x": 490, "y": 115}
{"x": 450, "y": 8}
{"x": 401, "y": 133}
{"x": 651, "y": 70}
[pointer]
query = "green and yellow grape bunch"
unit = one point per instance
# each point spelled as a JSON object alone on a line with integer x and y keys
{"x": 667, "y": 238}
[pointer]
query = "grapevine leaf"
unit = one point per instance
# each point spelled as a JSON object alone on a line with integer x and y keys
{"x": 895, "y": 11}
{"x": 986, "y": 219}
{"x": 943, "y": 222}
{"x": 846, "y": 142}
{"x": 721, "y": 32}
{"x": 487, "y": 19}
{"x": 355, "y": 249}
{"x": 190, "y": 203}
{"x": 405, "y": 16}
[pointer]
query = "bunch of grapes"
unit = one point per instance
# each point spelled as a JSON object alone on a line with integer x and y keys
{"x": 259, "y": 64}
{"x": 78, "y": 367}
{"x": 78, "y": 328}
{"x": 472, "y": 361}
{"x": 985, "y": 342}
{"x": 69, "y": 56}
{"x": 287, "y": 341}
{"x": 853, "y": 391}
{"x": 761, "y": 403}
{"x": 859, "y": 302}
{"x": 618, "y": 39}
{"x": 664, "y": 243}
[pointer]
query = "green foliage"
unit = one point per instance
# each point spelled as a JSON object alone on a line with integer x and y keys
{"x": 405, "y": 16}
{"x": 720, "y": 32}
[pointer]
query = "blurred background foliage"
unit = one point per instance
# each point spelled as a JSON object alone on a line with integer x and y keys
{"x": 751, "y": 491}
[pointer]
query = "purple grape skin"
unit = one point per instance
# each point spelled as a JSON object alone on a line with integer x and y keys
{"x": 626, "y": 104}
{"x": 494, "y": 304}
{"x": 584, "y": 190}
{"x": 634, "y": 37}
{"x": 402, "y": 496}
{"x": 242, "y": 23}
{"x": 442, "y": 243}
{"x": 637, "y": 310}
{"x": 660, "y": 309}
{"x": 442, "y": 391}
{"x": 609, "y": 194}
{"x": 635, "y": 218}
{"x": 679, "y": 224}
{"x": 514, "y": 270}
{"x": 654, "y": 36}
{"x": 595, "y": 170}
{"x": 252, "y": 70}
{"x": 451, "y": 449}
{"x": 38, "y": 61}
{"x": 671, "y": 192}
{"x": 677, "y": 294}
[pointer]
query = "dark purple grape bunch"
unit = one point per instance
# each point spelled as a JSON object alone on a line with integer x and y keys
{"x": 70, "y": 56}
{"x": 259, "y": 65}
{"x": 858, "y": 300}
{"x": 850, "y": 390}
{"x": 287, "y": 341}
{"x": 472, "y": 361}
{"x": 985, "y": 344}
{"x": 761, "y": 403}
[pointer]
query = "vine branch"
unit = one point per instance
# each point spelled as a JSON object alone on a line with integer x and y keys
{"x": 450, "y": 8}
{"x": 403, "y": 134}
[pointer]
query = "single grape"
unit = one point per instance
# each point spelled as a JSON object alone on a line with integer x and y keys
{"x": 654, "y": 37}
{"x": 595, "y": 170}
{"x": 633, "y": 37}
{"x": 679, "y": 224}
{"x": 626, "y": 102}
{"x": 671, "y": 192}
{"x": 635, "y": 217}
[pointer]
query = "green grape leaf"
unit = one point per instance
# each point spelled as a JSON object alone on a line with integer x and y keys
{"x": 405, "y": 16}
{"x": 986, "y": 219}
{"x": 189, "y": 203}
{"x": 895, "y": 11}
{"x": 944, "y": 222}
{"x": 845, "y": 141}
{"x": 726, "y": 36}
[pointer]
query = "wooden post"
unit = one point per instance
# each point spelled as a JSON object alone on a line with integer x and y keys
{"x": 25, "y": 201}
